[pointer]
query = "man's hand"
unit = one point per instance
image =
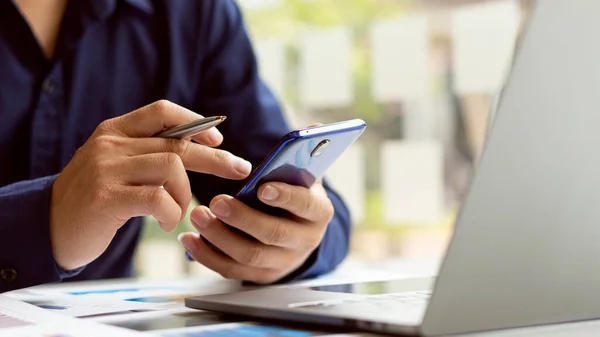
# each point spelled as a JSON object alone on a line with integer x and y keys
{"x": 120, "y": 173}
{"x": 283, "y": 244}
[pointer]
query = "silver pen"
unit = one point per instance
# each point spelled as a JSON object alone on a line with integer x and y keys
{"x": 192, "y": 128}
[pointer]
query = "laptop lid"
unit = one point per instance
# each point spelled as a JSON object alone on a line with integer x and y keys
{"x": 526, "y": 245}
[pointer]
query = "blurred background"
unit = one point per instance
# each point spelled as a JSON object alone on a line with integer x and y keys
{"x": 425, "y": 76}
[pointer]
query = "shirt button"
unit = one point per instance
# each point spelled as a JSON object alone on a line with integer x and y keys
{"x": 47, "y": 87}
{"x": 9, "y": 275}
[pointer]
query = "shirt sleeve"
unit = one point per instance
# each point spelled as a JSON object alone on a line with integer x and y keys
{"x": 26, "y": 257}
{"x": 230, "y": 85}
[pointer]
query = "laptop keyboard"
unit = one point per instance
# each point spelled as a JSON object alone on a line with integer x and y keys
{"x": 383, "y": 302}
{"x": 375, "y": 302}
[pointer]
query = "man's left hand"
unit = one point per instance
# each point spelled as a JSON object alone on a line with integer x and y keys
{"x": 282, "y": 244}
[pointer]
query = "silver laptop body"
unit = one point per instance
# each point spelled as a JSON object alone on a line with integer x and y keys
{"x": 526, "y": 246}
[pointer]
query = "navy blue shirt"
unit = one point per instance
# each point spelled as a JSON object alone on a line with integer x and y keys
{"x": 112, "y": 57}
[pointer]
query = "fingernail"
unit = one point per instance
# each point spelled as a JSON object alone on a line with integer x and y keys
{"x": 242, "y": 166}
{"x": 186, "y": 245}
{"x": 181, "y": 238}
{"x": 200, "y": 219}
{"x": 270, "y": 193}
{"x": 220, "y": 208}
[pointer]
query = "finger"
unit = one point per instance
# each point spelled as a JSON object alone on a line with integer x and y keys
{"x": 211, "y": 137}
{"x": 132, "y": 201}
{"x": 242, "y": 249}
{"x": 159, "y": 169}
{"x": 311, "y": 204}
{"x": 195, "y": 157}
{"x": 268, "y": 229}
{"x": 156, "y": 117}
{"x": 224, "y": 265}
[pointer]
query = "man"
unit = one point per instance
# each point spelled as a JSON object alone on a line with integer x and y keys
{"x": 83, "y": 86}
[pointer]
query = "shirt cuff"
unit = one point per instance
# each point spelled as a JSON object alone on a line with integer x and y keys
{"x": 26, "y": 257}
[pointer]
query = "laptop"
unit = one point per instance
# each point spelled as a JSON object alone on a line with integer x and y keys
{"x": 526, "y": 245}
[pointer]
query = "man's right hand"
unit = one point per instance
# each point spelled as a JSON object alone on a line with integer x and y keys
{"x": 122, "y": 172}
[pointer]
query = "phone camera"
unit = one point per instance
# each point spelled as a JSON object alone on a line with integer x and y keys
{"x": 320, "y": 148}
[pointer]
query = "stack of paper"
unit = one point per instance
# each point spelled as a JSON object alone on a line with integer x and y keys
{"x": 20, "y": 319}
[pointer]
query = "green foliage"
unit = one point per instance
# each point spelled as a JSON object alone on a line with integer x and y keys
{"x": 152, "y": 230}
{"x": 287, "y": 22}
{"x": 285, "y": 19}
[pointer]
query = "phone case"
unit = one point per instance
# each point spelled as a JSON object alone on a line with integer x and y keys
{"x": 293, "y": 161}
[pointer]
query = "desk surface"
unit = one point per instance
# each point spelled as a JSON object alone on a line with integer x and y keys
{"x": 156, "y": 307}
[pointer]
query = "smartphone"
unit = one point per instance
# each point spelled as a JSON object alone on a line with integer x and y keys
{"x": 301, "y": 158}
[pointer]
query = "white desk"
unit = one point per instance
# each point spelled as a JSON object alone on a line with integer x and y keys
{"x": 171, "y": 314}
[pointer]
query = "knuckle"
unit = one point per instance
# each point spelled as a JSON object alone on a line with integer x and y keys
{"x": 286, "y": 197}
{"x": 179, "y": 147}
{"x": 161, "y": 105}
{"x": 306, "y": 204}
{"x": 253, "y": 257}
{"x": 329, "y": 210}
{"x": 171, "y": 161}
{"x": 187, "y": 198}
{"x": 276, "y": 234}
{"x": 313, "y": 242}
{"x": 104, "y": 143}
{"x": 189, "y": 195}
{"x": 221, "y": 156}
{"x": 244, "y": 220}
{"x": 155, "y": 199}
